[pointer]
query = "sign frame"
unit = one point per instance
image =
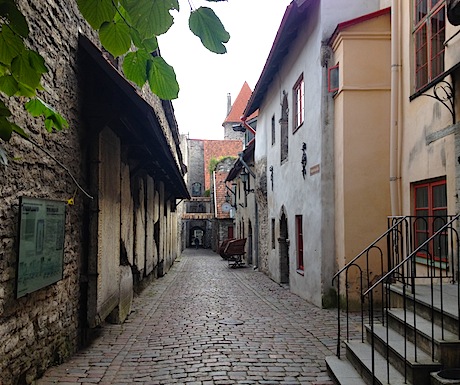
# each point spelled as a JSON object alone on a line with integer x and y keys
{"x": 40, "y": 250}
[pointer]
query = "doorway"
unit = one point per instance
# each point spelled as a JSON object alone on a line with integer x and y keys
{"x": 284, "y": 250}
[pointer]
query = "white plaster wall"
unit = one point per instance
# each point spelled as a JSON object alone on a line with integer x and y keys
{"x": 310, "y": 197}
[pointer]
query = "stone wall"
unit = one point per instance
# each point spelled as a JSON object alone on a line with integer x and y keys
{"x": 47, "y": 326}
{"x": 41, "y": 328}
{"x": 195, "y": 164}
{"x": 264, "y": 229}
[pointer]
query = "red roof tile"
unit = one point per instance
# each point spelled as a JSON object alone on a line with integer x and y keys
{"x": 239, "y": 105}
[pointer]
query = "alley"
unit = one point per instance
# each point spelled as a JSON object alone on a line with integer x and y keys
{"x": 204, "y": 323}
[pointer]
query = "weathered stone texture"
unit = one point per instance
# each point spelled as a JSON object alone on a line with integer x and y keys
{"x": 42, "y": 327}
{"x": 264, "y": 222}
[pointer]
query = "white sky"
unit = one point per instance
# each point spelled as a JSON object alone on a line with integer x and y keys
{"x": 205, "y": 78}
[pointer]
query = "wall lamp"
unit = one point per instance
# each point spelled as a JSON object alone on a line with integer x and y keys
{"x": 246, "y": 182}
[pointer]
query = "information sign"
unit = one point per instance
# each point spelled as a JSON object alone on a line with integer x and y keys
{"x": 41, "y": 244}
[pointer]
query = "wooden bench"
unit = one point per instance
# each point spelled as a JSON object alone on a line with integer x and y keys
{"x": 222, "y": 247}
{"x": 234, "y": 252}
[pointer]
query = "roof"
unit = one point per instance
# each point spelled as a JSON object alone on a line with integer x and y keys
{"x": 136, "y": 121}
{"x": 292, "y": 20}
{"x": 238, "y": 106}
{"x": 349, "y": 23}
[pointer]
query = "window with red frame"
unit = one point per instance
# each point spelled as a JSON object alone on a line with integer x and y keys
{"x": 429, "y": 35}
{"x": 298, "y": 102}
{"x": 431, "y": 214}
{"x": 299, "y": 245}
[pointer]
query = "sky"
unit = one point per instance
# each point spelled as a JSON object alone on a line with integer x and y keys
{"x": 205, "y": 78}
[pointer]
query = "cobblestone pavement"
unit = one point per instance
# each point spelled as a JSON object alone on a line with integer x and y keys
{"x": 185, "y": 330}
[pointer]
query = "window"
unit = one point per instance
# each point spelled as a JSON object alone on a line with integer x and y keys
{"x": 431, "y": 215}
{"x": 284, "y": 132}
{"x": 273, "y": 234}
{"x": 333, "y": 79}
{"x": 273, "y": 130}
{"x": 298, "y": 102}
{"x": 429, "y": 36}
{"x": 196, "y": 189}
{"x": 299, "y": 243}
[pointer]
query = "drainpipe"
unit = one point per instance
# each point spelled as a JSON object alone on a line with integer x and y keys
{"x": 215, "y": 193}
{"x": 247, "y": 126}
{"x": 395, "y": 126}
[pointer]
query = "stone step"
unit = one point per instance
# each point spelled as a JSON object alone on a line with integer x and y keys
{"x": 342, "y": 371}
{"x": 446, "y": 347}
{"x": 403, "y": 355}
{"x": 423, "y": 300}
{"x": 360, "y": 355}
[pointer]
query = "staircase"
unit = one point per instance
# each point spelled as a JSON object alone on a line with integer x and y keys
{"x": 409, "y": 329}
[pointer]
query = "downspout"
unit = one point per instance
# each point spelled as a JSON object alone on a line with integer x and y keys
{"x": 395, "y": 127}
{"x": 215, "y": 193}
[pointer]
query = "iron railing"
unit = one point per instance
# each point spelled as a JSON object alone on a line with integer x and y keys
{"x": 413, "y": 251}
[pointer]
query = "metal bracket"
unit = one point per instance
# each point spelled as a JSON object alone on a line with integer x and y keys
{"x": 444, "y": 92}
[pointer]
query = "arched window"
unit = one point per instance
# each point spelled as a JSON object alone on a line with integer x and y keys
{"x": 196, "y": 189}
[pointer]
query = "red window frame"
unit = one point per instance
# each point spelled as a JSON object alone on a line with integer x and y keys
{"x": 429, "y": 35}
{"x": 333, "y": 78}
{"x": 299, "y": 243}
{"x": 430, "y": 217}
{"x": 298, "y": 102}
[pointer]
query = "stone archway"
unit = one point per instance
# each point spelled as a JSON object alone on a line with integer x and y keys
{"x": 196, "y": 232}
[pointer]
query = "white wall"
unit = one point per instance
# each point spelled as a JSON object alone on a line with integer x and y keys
{"x": 310, "y": 197}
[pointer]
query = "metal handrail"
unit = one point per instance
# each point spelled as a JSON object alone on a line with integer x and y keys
{"x": 410, "y": 256}
{"x": 392, "y": 228}
{"x": 402, "y": 249}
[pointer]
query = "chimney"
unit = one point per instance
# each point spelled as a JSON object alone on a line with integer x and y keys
{"x": 229, "y": 103}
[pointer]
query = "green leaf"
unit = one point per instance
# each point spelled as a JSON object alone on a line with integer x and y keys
{"x": 4, "y": 110}
{"x": 135, "y": 65}
{"x": 115, "y": 37}
{"x": 147, "y": 44}
{"x": 150, "y": 17}
{"x": 97, "y": 12}
{"x": 37, "y": 62}
{"x": 25, "y": 90}
{"x": 24, "y": 71}
{"x": 162, "y": 79}
{"x": 8, "y": 85}
{"x": 37, "y": 107}
{"x": 18, "y": 130}
{"x": 3, "y": 156}
{"x": 56, "y": 121}
{"x": 150, "y": 45}
{"x": 205, "y": 24}
{"x": 16, "y": 19}
{"x": 6, "y": 129}
{"x": 10, "y": 45}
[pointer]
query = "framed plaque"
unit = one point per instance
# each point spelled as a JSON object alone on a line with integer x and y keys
{"x": 41, "y": 244}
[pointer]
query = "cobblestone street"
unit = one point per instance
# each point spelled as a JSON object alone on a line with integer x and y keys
{"x": 204, "y": 323}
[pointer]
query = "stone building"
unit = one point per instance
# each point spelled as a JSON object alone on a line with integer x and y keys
{"x": 200, "y": 212}
{"x": 294, "y": 149}
{"x": 114, "y": 231}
